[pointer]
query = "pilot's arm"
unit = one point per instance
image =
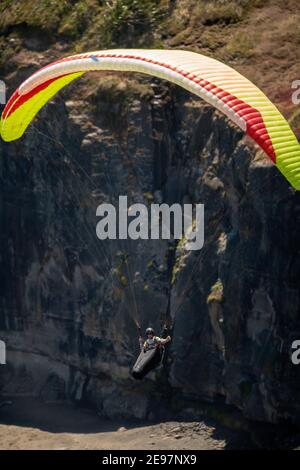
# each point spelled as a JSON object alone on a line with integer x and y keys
{"x": 165, "y": 340}
{"x": 141, "y": 343}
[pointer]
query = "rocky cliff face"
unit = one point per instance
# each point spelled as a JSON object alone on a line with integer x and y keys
{"x": 69, "y": 302}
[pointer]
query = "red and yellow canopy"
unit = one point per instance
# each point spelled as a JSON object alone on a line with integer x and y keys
{"x": 218, "y": 84}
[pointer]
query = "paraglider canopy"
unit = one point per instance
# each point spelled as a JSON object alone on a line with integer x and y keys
{"x": 218, "y": 84}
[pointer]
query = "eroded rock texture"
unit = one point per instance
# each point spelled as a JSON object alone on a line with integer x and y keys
{"x": 69, "y": 301}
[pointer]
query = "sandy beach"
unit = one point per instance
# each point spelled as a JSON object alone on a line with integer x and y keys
{"x": 29, "y": 424}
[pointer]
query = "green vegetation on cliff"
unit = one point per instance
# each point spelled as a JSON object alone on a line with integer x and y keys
{"x": 258, "y": 37}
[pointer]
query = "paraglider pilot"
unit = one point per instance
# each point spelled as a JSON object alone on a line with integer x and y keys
{"x": 152, "y": 341}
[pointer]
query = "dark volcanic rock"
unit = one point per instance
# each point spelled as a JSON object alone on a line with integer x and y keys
{"x": 69, "y": 302}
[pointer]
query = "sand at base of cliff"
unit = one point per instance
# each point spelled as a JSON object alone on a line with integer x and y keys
{"x": 27, "y": 423}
